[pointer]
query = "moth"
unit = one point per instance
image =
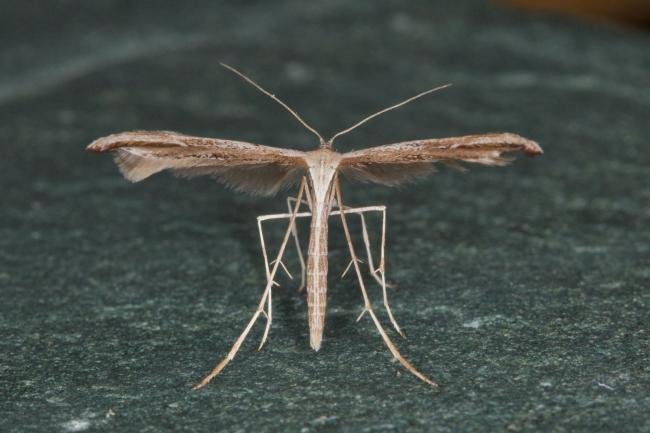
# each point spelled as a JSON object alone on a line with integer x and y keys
{"x": 265, "y": 170}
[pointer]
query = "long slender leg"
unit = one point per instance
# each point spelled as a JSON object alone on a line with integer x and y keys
{"x": 366, "y": 240}
{"x": 260, "y": 308}
{"x": 366, "y": 300}
{"x": 301, "y": 257}
{"x": 260, "y": 219}
{"x": 379, "y": 273}
{"x": 382, "y": 270}
{"x": 269, "y": 308}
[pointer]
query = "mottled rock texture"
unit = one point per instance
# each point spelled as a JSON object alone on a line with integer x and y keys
{"x": 523, "y": 290}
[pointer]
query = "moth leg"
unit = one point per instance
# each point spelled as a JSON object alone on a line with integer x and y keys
{"x": 366, "y": 300}
{"x": 382, "y": 269}
{"x": 375, "y": 272}
{"x": 378, "y": 273}
{"x": 268, "y": 312}
{"x": 301, "y": 257}
{"x": 263, "y": 300}
{"x": 366, "y": 241}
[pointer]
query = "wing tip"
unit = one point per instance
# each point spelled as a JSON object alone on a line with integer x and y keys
{"x": 107, "y": 143}
{"x": 136, "y": 138}
{"x": 532, "y": 148}
{"x": 529, "y": 147}
{"x": 97, "y": 146}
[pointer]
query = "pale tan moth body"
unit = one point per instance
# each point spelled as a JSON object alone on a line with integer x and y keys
{"x": 265, "y": 170}
{"x": 323, "y": 164}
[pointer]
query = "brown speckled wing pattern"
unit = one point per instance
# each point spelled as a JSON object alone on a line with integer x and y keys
{"x": 398, "y": 163}
{"x": 244, "y": 166}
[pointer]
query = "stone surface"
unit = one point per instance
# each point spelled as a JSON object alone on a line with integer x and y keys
{"x": 523, "y": 290}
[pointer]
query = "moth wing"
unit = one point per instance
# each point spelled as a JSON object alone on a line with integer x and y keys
{"x": 398, "y": 163}
{"x": 248, "y": 167}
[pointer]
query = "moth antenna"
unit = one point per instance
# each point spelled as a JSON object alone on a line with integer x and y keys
{"x": 275, "y": 98}
{"x": 392, "y": 107}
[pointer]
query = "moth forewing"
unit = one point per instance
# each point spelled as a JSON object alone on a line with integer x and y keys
{"x": 248, "y": 167}
{"x": 398, "y": 163}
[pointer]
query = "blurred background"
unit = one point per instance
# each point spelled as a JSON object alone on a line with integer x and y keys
{"x": 624, "y": 12}
{"x": 523, "y": 290}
